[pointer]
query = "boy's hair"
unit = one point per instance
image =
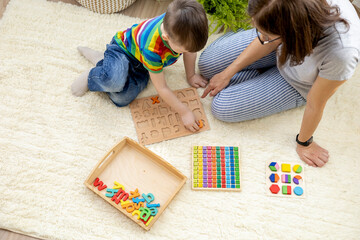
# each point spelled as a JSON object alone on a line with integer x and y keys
{"x": 299, "y": 23}
{"x": 186, "y": 23}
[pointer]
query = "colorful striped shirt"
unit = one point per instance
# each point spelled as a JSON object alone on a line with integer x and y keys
{"x": 144, "y": 42}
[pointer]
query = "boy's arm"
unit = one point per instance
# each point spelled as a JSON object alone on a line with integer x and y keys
{"x": 187, "y": 116}
{"x": 195, "y": 80}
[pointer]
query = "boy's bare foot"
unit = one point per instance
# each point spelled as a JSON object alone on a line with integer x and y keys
{"x": 79, "y": 86}
{"x": 93, "y": 56}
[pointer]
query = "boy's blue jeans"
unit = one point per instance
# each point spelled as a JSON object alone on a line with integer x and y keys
{"x": 119, "y": 75}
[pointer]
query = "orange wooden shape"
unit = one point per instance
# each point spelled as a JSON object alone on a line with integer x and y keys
{"x": 155, "y": 99}
{"x": 201, "y": 124}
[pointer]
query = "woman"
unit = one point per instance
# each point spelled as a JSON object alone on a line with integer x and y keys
{"x": 300, "y": 52}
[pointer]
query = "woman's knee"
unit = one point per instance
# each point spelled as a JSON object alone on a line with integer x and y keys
{"x": 205, "y": 66}
{"x": 226, "y": 112}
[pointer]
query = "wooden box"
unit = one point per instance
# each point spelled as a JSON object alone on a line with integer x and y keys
{"x": 135, "y": 166}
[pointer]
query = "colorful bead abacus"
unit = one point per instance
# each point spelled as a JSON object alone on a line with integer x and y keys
{"x": 215, "y": 168}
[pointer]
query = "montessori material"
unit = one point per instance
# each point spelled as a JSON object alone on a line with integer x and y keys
{"x": 135, "y": 181}
{"x": 155, "y": 121}
{"x": 216, "y": 168}
{"x": 285, "y": 179}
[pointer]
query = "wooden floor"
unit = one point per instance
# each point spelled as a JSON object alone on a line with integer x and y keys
{"x": 141, "y": 9}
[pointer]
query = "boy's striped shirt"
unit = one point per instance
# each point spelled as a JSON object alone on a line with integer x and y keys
{"x": 144, "y": 42}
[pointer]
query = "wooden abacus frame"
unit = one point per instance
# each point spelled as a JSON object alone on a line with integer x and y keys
{"x": 214, "y": 189}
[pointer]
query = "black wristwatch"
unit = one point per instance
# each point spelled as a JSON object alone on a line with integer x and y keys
{"x": 305, "y": 144}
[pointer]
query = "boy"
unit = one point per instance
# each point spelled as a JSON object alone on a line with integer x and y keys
{"x": 144, "y": 50}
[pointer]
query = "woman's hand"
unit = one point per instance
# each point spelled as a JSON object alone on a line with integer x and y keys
{"x": 217, "y": 83}
{"x": 197, "y": 81}
{"x": 314, "y": 155}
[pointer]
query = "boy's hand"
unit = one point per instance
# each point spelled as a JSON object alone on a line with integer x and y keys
{"x": 187, "y": 116}
{"x": 197, "y": 81}
{"x": 189, "y": 121}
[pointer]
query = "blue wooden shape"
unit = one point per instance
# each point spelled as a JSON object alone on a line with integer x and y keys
{"x": 148, "y": 197}
{"x": 153, "y": 210}
{"x": 272, "y": 177}
{"x": 137, "y": 200}
{"x": 153, "y": 205}
{"x": 298, "y": 191}
{"x": 111, "y": 192}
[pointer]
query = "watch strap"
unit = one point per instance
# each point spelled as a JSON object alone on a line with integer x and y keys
{"x": 305, "y": 144}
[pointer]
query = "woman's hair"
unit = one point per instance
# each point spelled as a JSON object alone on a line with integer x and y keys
{"x": 299, "y": 23}
{"x": 185, "y": 21}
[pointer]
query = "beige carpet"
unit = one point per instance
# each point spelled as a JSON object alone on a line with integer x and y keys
{"x": 50, "y": 141}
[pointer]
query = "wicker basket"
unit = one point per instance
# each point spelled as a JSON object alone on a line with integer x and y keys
{"x": 106, "y": 6}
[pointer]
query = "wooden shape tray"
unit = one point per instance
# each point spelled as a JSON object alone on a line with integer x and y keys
{"x": 292, "y": 181}
{"x": 136, "y": 167}
{"x": 155, "y": 121}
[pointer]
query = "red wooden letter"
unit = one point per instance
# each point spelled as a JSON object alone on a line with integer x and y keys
{"x": 99, "y": 184}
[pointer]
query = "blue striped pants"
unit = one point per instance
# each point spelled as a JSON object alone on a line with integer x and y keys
{"x": 250, "y": 94}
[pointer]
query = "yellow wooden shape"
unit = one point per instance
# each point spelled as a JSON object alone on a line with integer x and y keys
{"x": 118, "y": 186}
{"x": 150, "y": 219}
{"x": 136, "y": 212}
{"x": 285, "y": 167}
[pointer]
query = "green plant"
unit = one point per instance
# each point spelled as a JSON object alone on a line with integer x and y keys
{"x": 231, "y": 14}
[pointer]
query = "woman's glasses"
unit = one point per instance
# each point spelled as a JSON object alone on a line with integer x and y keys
{"x": 266, "y": 37}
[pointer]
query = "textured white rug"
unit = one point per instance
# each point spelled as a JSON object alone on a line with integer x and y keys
{"x": 50, "y": 141}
